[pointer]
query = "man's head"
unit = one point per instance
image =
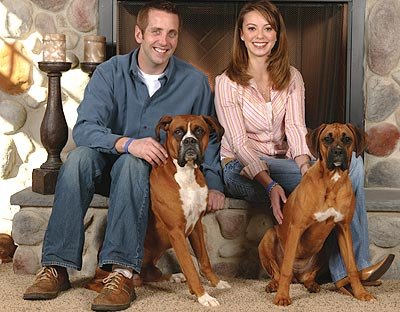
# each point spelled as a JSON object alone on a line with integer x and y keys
{"x": 157, "y": 28}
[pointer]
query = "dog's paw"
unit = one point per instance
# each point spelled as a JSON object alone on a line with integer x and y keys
{"x": 223, "y": 285}
{"x": 365, "y": 296}
{"x": 272, "y": 286}
{"x": 313, "y": 287}
{"x": 177, "y": 278}
{"x": 281, "y": 300}
{"x": 208, "y": 301}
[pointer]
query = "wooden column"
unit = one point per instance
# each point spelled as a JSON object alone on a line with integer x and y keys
{"x": 53, "y": 130}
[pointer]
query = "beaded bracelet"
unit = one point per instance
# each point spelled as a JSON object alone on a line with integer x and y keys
{"x": 127, "y": 143}
{"x": 270, "y": 187}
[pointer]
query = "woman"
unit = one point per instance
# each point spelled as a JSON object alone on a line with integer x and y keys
{"x": 260, "y": 102}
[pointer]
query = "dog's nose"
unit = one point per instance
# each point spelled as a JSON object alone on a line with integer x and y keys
{"x": 189, "y": 141}
{"x": 338, "y": 151}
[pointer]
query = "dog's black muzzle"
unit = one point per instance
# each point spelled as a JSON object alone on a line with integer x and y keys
{"x": 337, "y": 158}
{"x": 189, "y": 151}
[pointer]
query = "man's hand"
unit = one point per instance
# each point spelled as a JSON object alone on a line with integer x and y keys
{"x": 216, "y": 200}
{"x": 150, "y": 150}
{"x": 277, "y": 197}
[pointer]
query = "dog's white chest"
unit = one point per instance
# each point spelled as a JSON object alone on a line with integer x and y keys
{"x": 193, "y": 196}
{"x": 330, "y": 212}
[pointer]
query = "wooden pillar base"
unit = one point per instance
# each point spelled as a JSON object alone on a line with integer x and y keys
{"x": 44, "y": 181}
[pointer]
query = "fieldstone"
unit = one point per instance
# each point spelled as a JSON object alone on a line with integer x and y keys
{"x": 249, "y": 266}
{"x": 26, "y": 259}
{"x": 15, "y": 68}
{"x": 257, "y": 227}
{"x": 24, "y": 145}
{"x": 29, "y": 225}
{"x": 82, "y": 15}
{"x": 12, "y": 116}
{"x": 44, "y": 23}
{"x": 384, "y": 230}
{"x": 383, "y": 98}
{"x": 72, "y": 39}
{"x": 231, "y": 249}
{"x": 384, "y": 174}
{"x": 95, "y": 225}
{"x": 16, "y": 19}
{"x": 8, "y": 156}
{"x": 383, "y": 36}
{"x": 225, "y": 268}
{"x": 383, "y": 139}
{"x": 231, "y": 222}
{"x": 35, "y": 96}
{"x": 397, "y": 117}
{"x": 51, "y": 5}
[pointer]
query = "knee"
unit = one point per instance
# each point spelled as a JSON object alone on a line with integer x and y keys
{"x": 81, "y": 157}
{"x": 131, "y": 165}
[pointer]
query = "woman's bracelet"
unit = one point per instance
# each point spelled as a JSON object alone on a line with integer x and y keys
{"x": 270, "y": 186}
{"x": 127, "y": 143}
{"x": 303, "y": 164}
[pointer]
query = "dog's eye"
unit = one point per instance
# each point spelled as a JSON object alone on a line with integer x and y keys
{"x": 178, "y": 132}
{"x": 328, "y": 139}
{"x": 199, "y": 132}
{"x": 347, "y": 140}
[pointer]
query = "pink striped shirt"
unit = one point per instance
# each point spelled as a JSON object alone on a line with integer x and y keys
{"x": 254, "y": 128}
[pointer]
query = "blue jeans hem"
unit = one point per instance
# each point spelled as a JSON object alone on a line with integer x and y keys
{"x": 337, "y": 277}
{"x": 61, "y": 264}
{"x": 136, "y": 266}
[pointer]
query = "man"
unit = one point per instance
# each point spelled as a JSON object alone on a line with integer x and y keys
{"x": 114, "y": 132}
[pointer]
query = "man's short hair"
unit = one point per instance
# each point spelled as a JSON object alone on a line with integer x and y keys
{"x": 142, "y": 19}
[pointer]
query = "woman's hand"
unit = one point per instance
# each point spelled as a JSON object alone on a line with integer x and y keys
{"x": 277, "y": 197}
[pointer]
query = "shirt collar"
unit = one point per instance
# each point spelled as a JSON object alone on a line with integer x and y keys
{"x": 134, "y": 69}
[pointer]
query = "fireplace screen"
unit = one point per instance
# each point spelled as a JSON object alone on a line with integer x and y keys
{"x": 317, "y": 35}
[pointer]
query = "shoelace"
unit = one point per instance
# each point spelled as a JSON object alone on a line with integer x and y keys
{"x": 46, "y": 273}
{"x": 112, "y": 280}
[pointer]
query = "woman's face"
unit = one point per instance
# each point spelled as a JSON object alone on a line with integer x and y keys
{"x": 258, "y": 35}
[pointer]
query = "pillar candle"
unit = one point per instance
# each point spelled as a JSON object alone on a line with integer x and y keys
{"x": 54, "y": 48}
{"x": 94, "y": 49}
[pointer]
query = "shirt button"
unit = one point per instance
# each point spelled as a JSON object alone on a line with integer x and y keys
{"x": 144, "y": 127}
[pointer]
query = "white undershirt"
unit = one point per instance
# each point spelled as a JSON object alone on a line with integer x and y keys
{"x": 151, "y": 81}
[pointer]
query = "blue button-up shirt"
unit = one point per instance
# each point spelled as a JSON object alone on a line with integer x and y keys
{"x": 116, "y": 103}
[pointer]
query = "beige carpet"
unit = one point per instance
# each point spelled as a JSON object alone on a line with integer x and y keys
{"x": 245, "y": 295}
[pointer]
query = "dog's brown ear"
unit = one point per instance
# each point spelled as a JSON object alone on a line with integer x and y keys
{"x": 215, "y": 126}
{"x": 312, "y": 139}
{"x": 163, "y": 123}
{"x": 361, "y": 139}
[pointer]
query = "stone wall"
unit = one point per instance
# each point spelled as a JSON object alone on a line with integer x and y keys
{"x": 382, "y": 93}
{"x": 23, "y": 87}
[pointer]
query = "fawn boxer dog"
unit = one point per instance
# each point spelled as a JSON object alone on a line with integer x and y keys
{"x": 178, "y": 201}
{"x": 179, "y": 193}
{"x": 324, "y": 199}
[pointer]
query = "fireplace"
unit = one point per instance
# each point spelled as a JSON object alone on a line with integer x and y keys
{"x": 325, "y": 44}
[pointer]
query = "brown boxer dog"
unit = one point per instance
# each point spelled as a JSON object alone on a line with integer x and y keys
{"x": 178, "y": 201}
{"x": 324, "y": 199}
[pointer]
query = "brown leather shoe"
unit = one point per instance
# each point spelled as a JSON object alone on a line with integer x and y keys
{"x": 370, "y": 276}
{"x": 117, "y": 294}
{"x": 48, "y": 283}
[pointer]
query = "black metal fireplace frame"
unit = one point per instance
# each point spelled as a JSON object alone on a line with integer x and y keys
{"x": 355, "y": 48}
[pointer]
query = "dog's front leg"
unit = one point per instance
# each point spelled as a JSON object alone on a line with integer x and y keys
{"x": 346, "y": 250}
{"x": 178, "y": 242}
{"x": 282, "y": 297}
{"x": 198, "y": 244}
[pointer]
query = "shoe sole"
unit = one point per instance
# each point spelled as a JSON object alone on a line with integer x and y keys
{"x": 112, "y": 307}
{"x": 382, "y": 269}
{"x": 45, "y": 296}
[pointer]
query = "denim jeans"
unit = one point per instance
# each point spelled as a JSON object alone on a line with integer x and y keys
{"x": 127, "y": 211}
{"x": 287, "y": 174}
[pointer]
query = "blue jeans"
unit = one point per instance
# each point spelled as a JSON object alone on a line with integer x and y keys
{"x": 287, "y": 174}
{"x": 127, "y": 211}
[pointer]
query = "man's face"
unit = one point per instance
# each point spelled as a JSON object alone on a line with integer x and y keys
{"x": 157, "y": 42}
